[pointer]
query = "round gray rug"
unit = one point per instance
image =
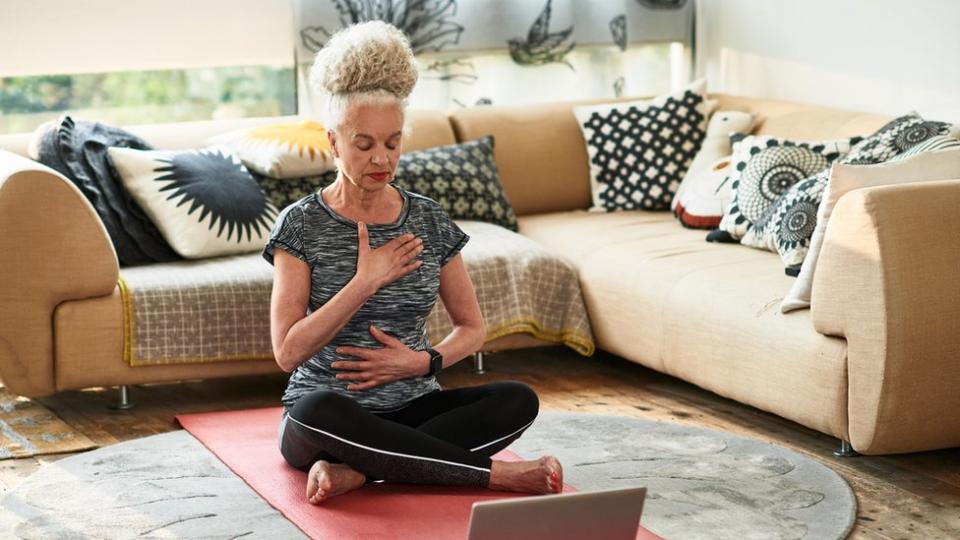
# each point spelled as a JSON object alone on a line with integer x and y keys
{"x": 701, "y": 484}
{"x": 162, "y": 486}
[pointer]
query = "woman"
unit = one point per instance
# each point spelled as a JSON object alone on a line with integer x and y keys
{"x": 359, "y": 266}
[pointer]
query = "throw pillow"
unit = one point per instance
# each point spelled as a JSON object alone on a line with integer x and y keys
{"x": 941, "y": 161}
{"x": 705, "y": 199}
{"x": 704, "y": 192}
{"x": 792, "y": 223}
{"x": 463, "y": 178}
{"x": 281, "y": 150}
{"x": 933, "y": 144}
{"x": 896, "y": 137}
{"x": 78, "y": 150}
{"x": 41, "y": 132}
{"x": 204, "y": 201}
{"x": 764, "y": 168}
{"x": 283, "y": 192}
{"x": 639, "y": 151}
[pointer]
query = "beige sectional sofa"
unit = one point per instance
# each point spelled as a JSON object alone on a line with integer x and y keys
{"x": 874, "y": 362}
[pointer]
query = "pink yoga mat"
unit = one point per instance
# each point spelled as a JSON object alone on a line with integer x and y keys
{"x": 246, "y": 441}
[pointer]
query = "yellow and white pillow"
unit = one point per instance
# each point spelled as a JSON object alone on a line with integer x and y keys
{"x": 290, "y": 150}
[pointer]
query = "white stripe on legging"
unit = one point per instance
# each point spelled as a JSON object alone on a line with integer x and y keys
{"x": 502, "y": 438}
{"x": 387, "y": 451}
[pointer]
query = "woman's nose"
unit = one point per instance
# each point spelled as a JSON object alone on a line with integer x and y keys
{"x": 379, "y": 158}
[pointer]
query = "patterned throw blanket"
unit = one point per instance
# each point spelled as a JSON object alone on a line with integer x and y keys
{"x": 218, "y": 309}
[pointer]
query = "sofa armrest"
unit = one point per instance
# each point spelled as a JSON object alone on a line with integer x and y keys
{"x": 54, "y": 248}
{"x": 887, "y": 281}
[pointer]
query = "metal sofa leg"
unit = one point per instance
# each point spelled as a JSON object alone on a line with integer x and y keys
{"x": 123, "y": 403}
{"x": 845, "y": 450}
{"x": 478, "y": 363}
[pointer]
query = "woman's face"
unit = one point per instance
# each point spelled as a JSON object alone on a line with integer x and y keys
{"x": 368, "y": 144}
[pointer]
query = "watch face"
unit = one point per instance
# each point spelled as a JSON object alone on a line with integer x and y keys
{"x": 436, "y": 362}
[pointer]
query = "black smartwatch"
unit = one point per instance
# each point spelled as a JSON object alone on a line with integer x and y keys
{"x": 436, "y": 362}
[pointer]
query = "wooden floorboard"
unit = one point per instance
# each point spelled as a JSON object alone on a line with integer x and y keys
{"x": 907, "y": 496}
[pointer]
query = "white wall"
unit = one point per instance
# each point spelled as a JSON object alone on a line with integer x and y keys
{"x": 881, "y": 56}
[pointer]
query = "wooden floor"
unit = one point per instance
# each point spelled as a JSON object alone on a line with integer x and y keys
{"x": 909, "y": 496}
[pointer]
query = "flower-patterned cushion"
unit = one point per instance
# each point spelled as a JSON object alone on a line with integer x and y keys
{"x": 765, "y": 168}
{"x": 794, "y": 218}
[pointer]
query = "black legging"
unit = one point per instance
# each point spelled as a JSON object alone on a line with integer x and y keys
{"x": 444, "y": 437}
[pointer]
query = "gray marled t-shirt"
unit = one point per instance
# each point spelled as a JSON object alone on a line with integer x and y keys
{"x": 313, "y": 232}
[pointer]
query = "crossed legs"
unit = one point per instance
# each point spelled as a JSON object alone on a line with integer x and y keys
{"x": 445, "y": 437}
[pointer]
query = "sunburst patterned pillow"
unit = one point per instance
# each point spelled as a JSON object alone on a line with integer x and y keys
{"x": 204, "y": 202}
{"x": 281, "y": 150}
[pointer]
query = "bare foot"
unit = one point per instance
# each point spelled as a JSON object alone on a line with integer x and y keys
{"x": 328, "y": 479}
{"x": 544, "y": 475}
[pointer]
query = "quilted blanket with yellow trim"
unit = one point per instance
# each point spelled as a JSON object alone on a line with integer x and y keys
{"x": 218, "y": 309}
{"x": 522, "y": 288}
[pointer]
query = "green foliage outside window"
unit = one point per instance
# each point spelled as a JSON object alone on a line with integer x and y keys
{"x": 143, "y": 97}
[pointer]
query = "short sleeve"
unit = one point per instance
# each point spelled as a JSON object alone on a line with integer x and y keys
{"x": 287, "y": 234}
{"x": 451, "y": 237}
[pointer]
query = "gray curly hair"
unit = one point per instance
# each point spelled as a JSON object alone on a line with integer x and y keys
{"x": 369, "y": 62}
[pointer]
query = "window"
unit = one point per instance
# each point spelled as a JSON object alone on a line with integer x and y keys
{"x": 124, "y": 62}
{"x": 144, "y": 97}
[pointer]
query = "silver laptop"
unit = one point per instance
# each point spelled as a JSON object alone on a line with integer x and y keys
{"x": 612, "y": 514}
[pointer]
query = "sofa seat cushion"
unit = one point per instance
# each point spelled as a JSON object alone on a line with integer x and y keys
{"x": 205, "y": 310}
{"x": 659, "y": 295}
{"x": 218, "y": 309}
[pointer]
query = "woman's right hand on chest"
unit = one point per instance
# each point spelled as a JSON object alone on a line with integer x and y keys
{"x": 381, "y": 266}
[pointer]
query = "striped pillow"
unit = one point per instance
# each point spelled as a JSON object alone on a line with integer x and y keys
{"x": 933, "y": 144}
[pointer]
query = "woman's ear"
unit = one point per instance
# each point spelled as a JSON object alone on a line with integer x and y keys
{"x": 332, "y": 139}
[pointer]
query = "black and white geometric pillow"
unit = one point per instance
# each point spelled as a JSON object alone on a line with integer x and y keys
{"x": 462, "y": 178}
{"x": 764, "y": 169}
{"x": 896, "y": 137}
{"x": 640, "y": 150}
{"x": 283, "y": 192}
{"x": 205, "y": 202}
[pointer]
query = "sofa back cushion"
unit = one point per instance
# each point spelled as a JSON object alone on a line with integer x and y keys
{"x": 540, "y": 153}
{"x": 800, "y": 121}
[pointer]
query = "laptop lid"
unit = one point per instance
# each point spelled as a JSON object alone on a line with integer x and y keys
{"x": 612, "y": 514}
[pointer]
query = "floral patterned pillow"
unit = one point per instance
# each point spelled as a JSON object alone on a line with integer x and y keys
{"x": 764, "y": 169}
{"x": 794, "y": 216}
{"x": 896, "y": 137}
